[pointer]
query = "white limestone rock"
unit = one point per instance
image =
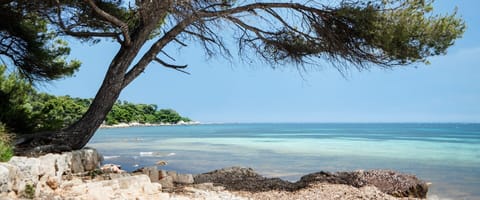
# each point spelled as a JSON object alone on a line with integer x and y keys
{"x": 5, "y": 179}
{"x": 27, "y": 173}
{"x": 184, "y": 179}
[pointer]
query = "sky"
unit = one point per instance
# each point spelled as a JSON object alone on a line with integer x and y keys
{"x": 220, "y": 91}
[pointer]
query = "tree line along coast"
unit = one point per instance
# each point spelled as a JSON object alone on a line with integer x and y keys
{"x": 26, "y": 110}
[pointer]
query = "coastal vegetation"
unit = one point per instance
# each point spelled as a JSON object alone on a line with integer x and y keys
{"x": 24, "y": 110}
{"x": 6, "y": 149}
{"x": 348, "y": 34}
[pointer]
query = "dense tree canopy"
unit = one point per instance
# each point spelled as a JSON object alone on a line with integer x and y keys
{"x": 348, "y": 33}
{"x": 28, "y": 44}
{"x": 23, "y": 110}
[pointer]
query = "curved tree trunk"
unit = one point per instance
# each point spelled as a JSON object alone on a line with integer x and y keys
{"x": 116, "y": 79}
{"x": 77, "y": 135}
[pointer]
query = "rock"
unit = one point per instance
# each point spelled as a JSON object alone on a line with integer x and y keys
{"x": 111, "y": 168}
{"x": 387, "y": 181}
{"x": 173, "y": 174}
{"x": 76, "y": 165}
{"x": 117, "y": 175}
{"x": 28, "y": 172}
{"x": 52, "y": 183}
{"x": 208, "y": 187}
{"x": 45, "y": 172}
{"x": 129, "y": 187}
{"x": 48, "y": 165}
{"x": 91, "y": 159}
{"x": 184, "y": 179}
{"x": 8, "y": 196}
{"x": 152, "y": 173}
{"x": 162, "y": 174}
{"x": 5, "y": 182}
{"x": 243, "y": 179}
{"x": 167, "y": 182}
{"x": 161, "y": 163}
{"x": 84, "y": 160}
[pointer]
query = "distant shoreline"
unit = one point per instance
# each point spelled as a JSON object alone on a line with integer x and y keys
{"x": 136, "y": 124}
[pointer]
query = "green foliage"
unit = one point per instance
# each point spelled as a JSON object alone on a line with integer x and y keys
{"x": 411, "y": 33}
{"x": 126, "y": 112}
{"x": 15, "y": 97}
{"x": 384, "y": 32}
{"x": 29, "y": 192}
{"x": 27, "y": 43}
{"x": 6, "y": 150}
{"x": 23, "y": 110}
{"x": 54, "y": 113}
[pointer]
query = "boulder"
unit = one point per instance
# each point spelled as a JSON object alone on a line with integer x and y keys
{"x": 152, "y": 173}
{"x": 5, "y": 182}
{"x": 27, "y": 172}
{"x": 45, "y": 172}
{"x": 83, "y": 160}
{"x": 184, "y": 179}
{"x": 75, "y": 165}
{"x": 173, "y": 174}
{"x": 167, "y": 182}
{"x": 129, "y": 187}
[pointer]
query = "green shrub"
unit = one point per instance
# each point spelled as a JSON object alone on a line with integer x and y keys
{"x": 6, "y": 150}
{"x": 29, "y": 191}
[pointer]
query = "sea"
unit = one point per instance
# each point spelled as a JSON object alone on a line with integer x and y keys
{"x": 445, "y": 154}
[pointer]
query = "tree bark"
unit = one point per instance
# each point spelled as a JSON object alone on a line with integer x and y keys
{"x": 78, "y": 134}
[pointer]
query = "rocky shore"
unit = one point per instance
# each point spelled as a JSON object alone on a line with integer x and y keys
{"x": 78, "y": 175}
{"x": 136, "y": 124}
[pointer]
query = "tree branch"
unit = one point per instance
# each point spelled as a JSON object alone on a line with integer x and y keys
{"x": 138, "y": 68}
{"x": 253, "y": 6}
{"x": 150, "y": 55}
{"x": 166, "y": 54}
{"x": 112, "y": 19}
{"x": 175, "y": 67}
{"x": 202, "y": 37}
{"x": 82, "y": 34}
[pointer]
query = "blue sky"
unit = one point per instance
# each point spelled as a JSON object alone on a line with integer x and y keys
{"x": 448, "y": 90}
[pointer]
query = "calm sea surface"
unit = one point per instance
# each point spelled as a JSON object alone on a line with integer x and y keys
{"x": 448, "y": 155}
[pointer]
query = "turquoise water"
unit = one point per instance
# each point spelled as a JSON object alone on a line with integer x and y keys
{"x": 448, "y": 155}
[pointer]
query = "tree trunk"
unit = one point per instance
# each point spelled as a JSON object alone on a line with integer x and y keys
{"x": 77, "y": 135}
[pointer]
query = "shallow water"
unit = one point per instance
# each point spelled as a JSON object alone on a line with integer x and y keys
{"x": 448, "y": 155}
